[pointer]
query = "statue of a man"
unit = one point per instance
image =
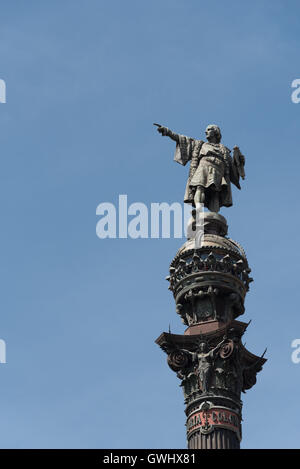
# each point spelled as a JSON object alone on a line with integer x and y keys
{"x": 211, "y": 170}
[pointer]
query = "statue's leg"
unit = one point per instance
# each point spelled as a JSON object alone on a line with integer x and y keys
{"x": 199, "y": 196}
{"x": 199, "y": 201}
{"x": 205, "y": 382}
{"x": 201, "y": 380}
{"x": 214, "y": 204}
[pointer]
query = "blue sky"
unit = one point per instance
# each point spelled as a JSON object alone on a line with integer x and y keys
{"x": 85, "y": 81}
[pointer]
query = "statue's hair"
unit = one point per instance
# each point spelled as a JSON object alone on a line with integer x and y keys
{"x": 217, "y": 131}
{"x": 202, "y": 341}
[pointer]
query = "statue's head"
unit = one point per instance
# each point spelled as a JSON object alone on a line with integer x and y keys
{"x": 203, "y": 347}
{"x": 213, "y": 133}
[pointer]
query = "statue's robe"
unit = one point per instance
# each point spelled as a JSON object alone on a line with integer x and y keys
{"x": 211, "y": 168}
{"x": 188, "y": 149}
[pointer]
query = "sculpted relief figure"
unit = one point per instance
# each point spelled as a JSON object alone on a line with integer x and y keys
{"x": 212, "y": 169}
{"x": 204, "y": 359}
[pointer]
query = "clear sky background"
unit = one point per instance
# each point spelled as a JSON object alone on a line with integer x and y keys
{"x": 85, "y": 81}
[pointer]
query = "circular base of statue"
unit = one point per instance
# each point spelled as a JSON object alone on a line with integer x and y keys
{"x": 206, "y": 222}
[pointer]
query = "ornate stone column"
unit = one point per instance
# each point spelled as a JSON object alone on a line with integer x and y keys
{"x": 209, "y": 284}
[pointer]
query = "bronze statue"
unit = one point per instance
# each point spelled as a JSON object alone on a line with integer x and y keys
{"x": 204, "y": 359}
{"x": 212, "y": 169}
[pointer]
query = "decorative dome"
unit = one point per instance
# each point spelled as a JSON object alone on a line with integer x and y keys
{"x": 212, "y": 241}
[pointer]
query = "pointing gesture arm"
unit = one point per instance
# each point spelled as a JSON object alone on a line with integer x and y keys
{"x": 165, "y": 132}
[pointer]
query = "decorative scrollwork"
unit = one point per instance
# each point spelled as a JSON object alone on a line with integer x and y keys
{"x": 227, "y": 349}
{"x": 177, "y": 360}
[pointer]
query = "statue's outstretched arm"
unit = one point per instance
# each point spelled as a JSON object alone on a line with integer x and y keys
{"x": 192, "y": 354}
{"x": 184, "y": 145}
{"x": 213, "y": 351}
{"x": 167, "y": 132}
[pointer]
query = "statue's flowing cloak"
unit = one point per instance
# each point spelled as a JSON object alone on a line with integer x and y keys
{"x": 211, "y": 167}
